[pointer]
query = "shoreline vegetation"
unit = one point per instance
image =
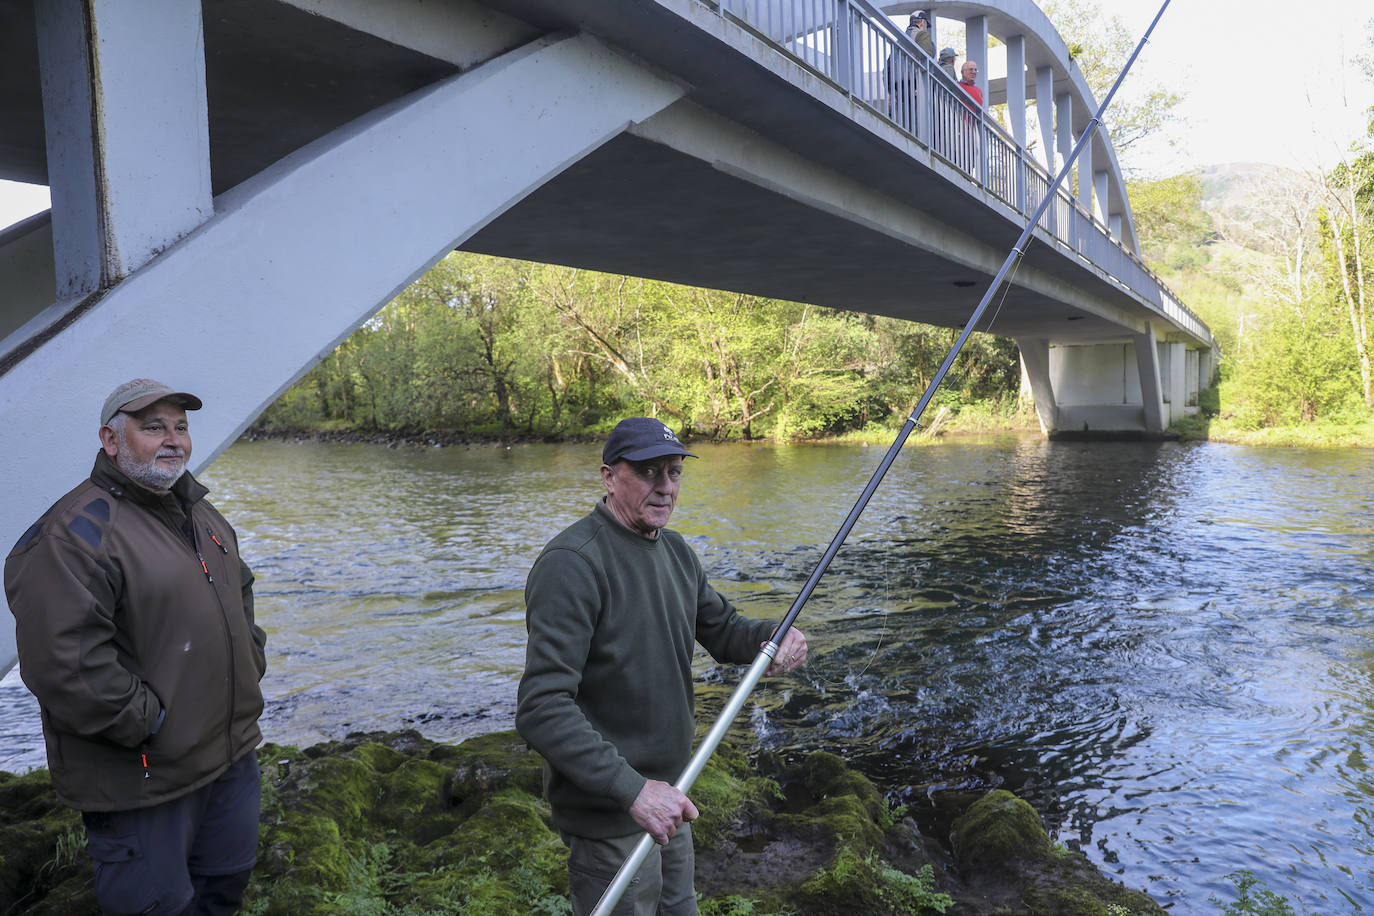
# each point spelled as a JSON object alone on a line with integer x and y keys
{"x": 394, "y": 824}
{"x": 978, "y": 421}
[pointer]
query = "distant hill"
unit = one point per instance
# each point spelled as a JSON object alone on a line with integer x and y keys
{"x": 1235, "y": 185}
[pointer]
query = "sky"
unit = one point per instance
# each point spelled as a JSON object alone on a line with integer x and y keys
{"x": 1264, "y": 81}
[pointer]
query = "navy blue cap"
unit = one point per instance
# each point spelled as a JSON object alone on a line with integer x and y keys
{"x": 639, "y": 439}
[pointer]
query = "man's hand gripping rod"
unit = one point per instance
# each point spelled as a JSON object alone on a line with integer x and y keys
{"x": 616, "y": 889}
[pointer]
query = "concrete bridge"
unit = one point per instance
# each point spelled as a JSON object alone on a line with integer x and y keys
{"x": 238, "y": 184}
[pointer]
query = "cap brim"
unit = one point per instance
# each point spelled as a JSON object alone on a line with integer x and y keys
{"x": 180, "y": 398}
{"x": 655, "y": 451}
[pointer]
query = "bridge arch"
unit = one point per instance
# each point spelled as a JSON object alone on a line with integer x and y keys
{"x": 1049, "y": 75}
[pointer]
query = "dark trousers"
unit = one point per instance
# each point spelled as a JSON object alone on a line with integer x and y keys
{"x": 662, "y": 887}
{"x": 193, "y": 854}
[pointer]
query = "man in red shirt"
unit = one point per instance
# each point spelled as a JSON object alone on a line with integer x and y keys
{"x": 970, "y": 81}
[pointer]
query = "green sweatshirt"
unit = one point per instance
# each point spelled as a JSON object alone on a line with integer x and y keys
{"x": 607, "y": 694}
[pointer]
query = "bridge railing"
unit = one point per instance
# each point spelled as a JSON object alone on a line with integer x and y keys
{"x": 857, "y": 48}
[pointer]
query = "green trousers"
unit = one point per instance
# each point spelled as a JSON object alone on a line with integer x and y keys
{"x": 663, "y": 886}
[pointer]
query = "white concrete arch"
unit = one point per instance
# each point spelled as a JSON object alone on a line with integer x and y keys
{"x": 1049, "y": 73}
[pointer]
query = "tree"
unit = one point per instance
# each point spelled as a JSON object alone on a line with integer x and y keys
{"x": 1173, "y": 228}
{"x": 1346, "y": 217}
{"x": 1101, "y": 44}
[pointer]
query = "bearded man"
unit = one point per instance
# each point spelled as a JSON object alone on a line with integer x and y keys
{"x": 134, "y": 624}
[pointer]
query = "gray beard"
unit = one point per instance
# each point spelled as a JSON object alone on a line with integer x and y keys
{"x": 149, "y": 473}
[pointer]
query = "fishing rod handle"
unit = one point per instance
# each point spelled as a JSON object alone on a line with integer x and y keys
{"x": 616, "y": 889}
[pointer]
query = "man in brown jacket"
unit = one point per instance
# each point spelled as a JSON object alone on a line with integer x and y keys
{"x": 134, "y": 623}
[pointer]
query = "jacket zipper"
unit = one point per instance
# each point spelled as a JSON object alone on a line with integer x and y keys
{"x": 228, "y": 639}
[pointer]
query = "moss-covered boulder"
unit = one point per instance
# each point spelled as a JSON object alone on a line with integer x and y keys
{"x": 395, "y": 823}
{"x": 1009, "y": 864}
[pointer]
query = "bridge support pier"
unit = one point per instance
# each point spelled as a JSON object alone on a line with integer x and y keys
{"x": 1124, "y": 388}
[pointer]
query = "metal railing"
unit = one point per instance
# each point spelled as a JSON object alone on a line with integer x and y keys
{"x": 856, "y": 47}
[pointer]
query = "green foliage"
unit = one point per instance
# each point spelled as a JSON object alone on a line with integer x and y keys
{"x": 495, "y": 347}
{"x": 735, "y": 905}
{"x": 867, "y": 884}
{"x": 1254, "y": 899}
{"x": 1170, "y": 222}
{"x": 1296, "y": 367}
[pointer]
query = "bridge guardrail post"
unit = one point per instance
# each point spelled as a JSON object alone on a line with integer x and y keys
{"x": 845, "y": 51}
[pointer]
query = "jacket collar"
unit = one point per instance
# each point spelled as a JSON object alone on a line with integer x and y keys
{"x": 107, "y": 475}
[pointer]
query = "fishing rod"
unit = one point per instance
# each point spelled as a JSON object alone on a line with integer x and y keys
{"x": 616, "y": 889}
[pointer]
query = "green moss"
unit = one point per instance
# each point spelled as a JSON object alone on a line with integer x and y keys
{"x": 1090, "y": 896}
{"x": 727, "y": 792}
{"x": 998, "y": 831}
{"x": 41, "y": 847}
{"x": 856, "y": 883}
{"x": 394, "y": 824}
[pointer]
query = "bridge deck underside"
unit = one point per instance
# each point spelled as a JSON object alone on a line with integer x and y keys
{"x": 278, "y": 77}
{"x": 639, "y": 208}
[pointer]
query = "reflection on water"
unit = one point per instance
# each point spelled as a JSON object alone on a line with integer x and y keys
{"x": 1164, "y": 648}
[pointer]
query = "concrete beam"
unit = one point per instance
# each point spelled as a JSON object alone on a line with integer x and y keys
{"x": 1151, "y": 390}
{"x": 1016, "y": 87}
{"x": 121, "y": 78}
{"x": 1044, "y": 113}
{"x": 976, "y": 48}
{"x": 1063, "y": 128}
{"x": 1100, "y": 190}
{"x": 1085, "y": 176}
{"x": 460, "y": 32}
{"x": 305, "y": 251}
{"x": 1035, "y": 364}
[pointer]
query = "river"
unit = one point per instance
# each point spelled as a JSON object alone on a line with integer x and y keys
{"x": 1166, "y": 648}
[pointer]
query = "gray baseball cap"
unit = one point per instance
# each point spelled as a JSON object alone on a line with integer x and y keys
{"x": 136, "y": 394}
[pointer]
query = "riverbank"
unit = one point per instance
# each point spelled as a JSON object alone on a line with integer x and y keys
{"x": 393, "y": 823}
{"x": 972, "y": 421}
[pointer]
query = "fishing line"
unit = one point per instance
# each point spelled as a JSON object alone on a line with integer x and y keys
{"x": 764, "y": 659}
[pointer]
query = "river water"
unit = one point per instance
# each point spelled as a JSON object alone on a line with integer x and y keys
{"x": 1167, "y": 649}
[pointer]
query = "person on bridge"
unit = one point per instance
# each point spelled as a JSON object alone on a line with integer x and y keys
{"x": 903, "y": 77}
{"x": 614, "y": 603}
{"x": 918, "y": 30}
{"x": 135, "y": 631}
{"x": 947, "y": 63}
{"x": 969, "y": 82}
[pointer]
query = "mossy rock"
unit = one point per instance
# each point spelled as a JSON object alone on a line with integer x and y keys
{"x": 43, "y": 863}
{"x": 1007, "y": 859}
{"x": 395, "y": 823}
{"x": 999, "y": 832}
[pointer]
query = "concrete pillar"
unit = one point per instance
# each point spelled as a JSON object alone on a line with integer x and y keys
{"x": 1151, "y": 393}
{"x": 1085, "y": 177}
{"x": 976, "y": 48}
{"x": 1035, "y": 367}
{"x": 121, "y": 78}
{"x": 1100, "y": 188}
{"x": 1016, "y": 87}
{"x": 1063, "y": 127}
{"x": 1176, "y": 381}
{"x": 1044, "y": 112}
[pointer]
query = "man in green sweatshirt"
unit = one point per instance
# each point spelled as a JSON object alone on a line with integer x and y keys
{"x": 614, "y": 605}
